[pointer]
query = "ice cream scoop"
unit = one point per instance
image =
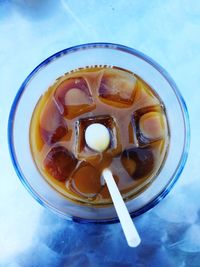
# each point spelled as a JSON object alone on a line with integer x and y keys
{"x": 97, "y": 137}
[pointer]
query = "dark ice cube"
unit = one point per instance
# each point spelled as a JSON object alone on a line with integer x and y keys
{"x": 60, "y": 163}
{"x": 138, "y": 162}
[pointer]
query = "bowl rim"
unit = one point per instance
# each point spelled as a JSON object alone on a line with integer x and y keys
{"x": 131, "y": 51}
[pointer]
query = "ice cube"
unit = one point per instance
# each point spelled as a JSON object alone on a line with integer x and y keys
{"x": 86, "y": 181}
{"x": 152, "y": 125}
{"x": 60, "y": 163}
{"x": 73, "y": 97}
{"x": 52, "y": 125}
{"x": 76, "y": 97}
{"x": 117, "y": 87}
{"x": 149, "y": 124}
{"x": 138, "y": 162}
{"x": 85, "y": 152}
{"x": 144, "y": 97}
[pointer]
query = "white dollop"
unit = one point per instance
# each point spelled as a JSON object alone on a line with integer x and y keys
{"x": 97, "y": 137}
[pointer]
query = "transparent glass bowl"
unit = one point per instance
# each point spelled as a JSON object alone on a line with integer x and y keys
{"x": 89, "y": 55}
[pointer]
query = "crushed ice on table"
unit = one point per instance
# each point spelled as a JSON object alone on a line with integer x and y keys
{"x": 180, "y": 213}
{"x": 190, "y": 241}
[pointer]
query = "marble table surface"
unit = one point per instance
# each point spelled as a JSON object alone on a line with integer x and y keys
{"x": 169, "y": 32}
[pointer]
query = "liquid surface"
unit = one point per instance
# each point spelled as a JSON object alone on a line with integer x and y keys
{"x": 131, "y": 111}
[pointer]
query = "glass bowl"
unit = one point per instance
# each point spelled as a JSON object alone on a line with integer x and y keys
{"x": 89, "y": 55}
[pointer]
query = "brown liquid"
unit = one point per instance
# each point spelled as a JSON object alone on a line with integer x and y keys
{"x": 134, "y": 116}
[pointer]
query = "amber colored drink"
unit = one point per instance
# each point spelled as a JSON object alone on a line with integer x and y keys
{"x": 132, "y": 112}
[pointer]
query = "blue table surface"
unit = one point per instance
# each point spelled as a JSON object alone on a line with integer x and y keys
{"x": 169, "y": 32}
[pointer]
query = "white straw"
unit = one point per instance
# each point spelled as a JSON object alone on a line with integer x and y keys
{"x": 127, "y": 224}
